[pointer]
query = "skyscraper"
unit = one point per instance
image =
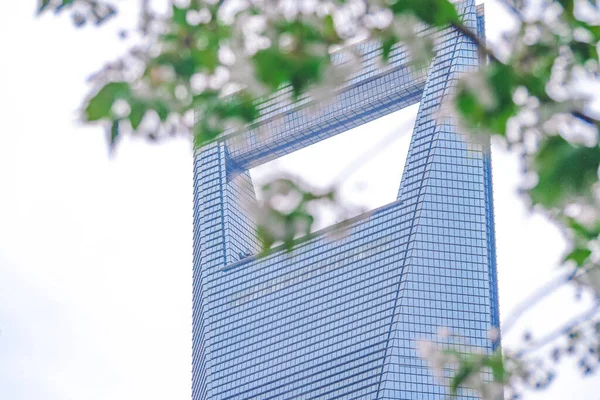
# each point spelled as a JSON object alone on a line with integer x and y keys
{"x": 340, "y": 319}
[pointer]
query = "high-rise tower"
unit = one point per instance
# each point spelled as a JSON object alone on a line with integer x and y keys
{"x": 339, "y": 319}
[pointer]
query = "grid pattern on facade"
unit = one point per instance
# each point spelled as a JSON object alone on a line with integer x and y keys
{"x": 372, "y": 93}
{"x": 339, "y": 319}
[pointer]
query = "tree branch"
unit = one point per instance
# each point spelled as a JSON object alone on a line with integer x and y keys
{"x": 475, "y": 38}
{"x": 564, "y": 329}
{"x": 584, "y": 117}
{"x": 494, "y": 59}
{"x": 536, "y": 297}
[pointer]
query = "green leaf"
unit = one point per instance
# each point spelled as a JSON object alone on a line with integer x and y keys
{"x": 583, "y": 52}
{"x": 138, "y": 110}
{"x": 496, "y": 363}
{"x": 593, "y": 29}
{"x": 433, "y": 12}
{"x": 386, "y": 47}
{"x": 298, "y": 68}
{"x": 568, "y": 5}
{"x": 207, "y": 58}
{"x": 169, "y": 37}
{"x": 99, "y": 107}
{"x": 329, "y": 31}
{"x": 243, "y": 107}
{"x": 240, "y": 106}
{"x": 501, "y": 81}
{"x": 564, "y": 171}
{"x": 183, "y": 66}
{"x": 179, "y": 16}
{"x": 204, "y": 134}
{"x": 579, "y": 255}
{"x": 307, "y": 72}
{"x": 465, "y": 370}
{"x": 162, "y": 109}
{"x": 583, "y": 232}
{"x": 272, "y": 68}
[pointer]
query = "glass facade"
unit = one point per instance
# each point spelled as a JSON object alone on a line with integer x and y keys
{"x": 339, "y": 319}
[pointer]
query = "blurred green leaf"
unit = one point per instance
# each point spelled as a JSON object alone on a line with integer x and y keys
{"x": 162, "y": 109}
{"x": 564, "y": 171}
{"x": 288, "y": 227}
{"x": 207, "y": 58}
{"x": 184, "y": 65}
{"x": 386, "y": 46}
{"x": 138, "y": 110}
{"x": 216, "y": 111}
{"x": 329, "y": 31}
{"x": 584, "y": 52}
{"x": 586, "y": 233}
{"x": 298, "y": 67}
{"x": 99, "y": 106}
{"x": 495, "y": 362}
{"x": 500, "y": 81}
{"x": 594, "y": 30}
{"x": 179, "y": 16}
{"x": 471, "y": 364}
{"x": 433, "y": 12}
{"x": 578, "y": 255}
{"x": 465, "y": 370}
{"x": 568, "y": 5}
{"x": 272, "y": 67}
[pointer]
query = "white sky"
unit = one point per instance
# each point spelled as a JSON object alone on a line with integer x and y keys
{"x": 96, "y": 253}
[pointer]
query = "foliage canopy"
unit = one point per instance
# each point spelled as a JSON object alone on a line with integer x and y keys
{"x": 204, "y": 67}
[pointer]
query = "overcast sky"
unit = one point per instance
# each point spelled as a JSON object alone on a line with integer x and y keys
{"x": 96, "y": 252}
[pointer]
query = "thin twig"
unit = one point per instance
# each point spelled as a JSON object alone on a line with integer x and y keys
{"x": 564, "y": 329}
{"x": 511, "y": 7}
{"x": 145, "y": 17}
{"x": 536, "y": 297}
{"x": 494, "y": 59}
{"x": 477, "y": 40}
{"x": 584, "y": 117}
